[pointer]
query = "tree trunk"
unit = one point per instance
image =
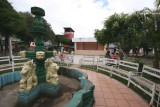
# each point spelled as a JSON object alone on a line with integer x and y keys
{"x": 121, "y": 54}
{"x": 10, "y": 49}
{"x": 58, "y": 46}
{"x": 156, "y": 60}
{"x": 6, "y": 45}
{"x": 1, "y": 45}
{"x": 144, "y": 52}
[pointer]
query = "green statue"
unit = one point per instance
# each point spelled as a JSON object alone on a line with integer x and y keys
{"x": 39, "y": 54}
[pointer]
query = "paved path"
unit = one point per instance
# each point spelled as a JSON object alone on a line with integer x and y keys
{"x": 112, "y": 93}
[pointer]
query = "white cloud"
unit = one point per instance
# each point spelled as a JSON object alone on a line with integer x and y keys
{"x": 82, "y": 15}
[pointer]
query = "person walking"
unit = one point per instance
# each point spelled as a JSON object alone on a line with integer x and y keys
{"x": 107, "y": 55}
{"x": 112, "y": 55}
{"x": 116, "y": 56}
{"x": 62, "y": 55}
{"x": 72, "y": 55}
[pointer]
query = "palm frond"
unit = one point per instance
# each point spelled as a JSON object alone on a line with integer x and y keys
{"x": 157, "y": 3}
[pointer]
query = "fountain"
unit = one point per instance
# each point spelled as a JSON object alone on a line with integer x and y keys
{"x": 43, "y": 81}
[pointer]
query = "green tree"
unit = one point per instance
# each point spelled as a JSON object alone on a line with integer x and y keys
{"x": 58, "y": 39}
{"x": 67, "y": 41}
{"x": 139, "y": 29}
{"x": 157, "y": 3}
{"x": 25, "y": 34}
{"x": 152, "y": 25}
{"x": 50, "y": 33}
{"x": 10, "y": 21}
{"x": 118, "y": 28}
{"x": 62, "y": 39}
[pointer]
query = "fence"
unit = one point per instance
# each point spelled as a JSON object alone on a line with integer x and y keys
{"x": 10, "y": 64}
{"x": 66, "y": 61}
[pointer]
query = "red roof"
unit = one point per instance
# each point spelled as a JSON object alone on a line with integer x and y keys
{"x": 68, "y": 29}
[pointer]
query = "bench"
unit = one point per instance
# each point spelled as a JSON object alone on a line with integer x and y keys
{"x": 141, "y": 80}
{"x": 157, "y": 93}
{"x": 146, "y": 85}
{"x": 124, "y": 69}
{"x": 106, "y": 64}
{"x": 116, "y": 67}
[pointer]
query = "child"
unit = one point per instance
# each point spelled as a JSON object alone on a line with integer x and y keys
{"x": 112, "y": 55}
{"x": 72, "y": 55}
{"x": 62, "y": 55}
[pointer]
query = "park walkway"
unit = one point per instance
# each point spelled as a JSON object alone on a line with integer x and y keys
{"x": 112, "y": 93}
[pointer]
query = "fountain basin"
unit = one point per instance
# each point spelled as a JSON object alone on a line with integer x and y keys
{"x": 83, "y": 97}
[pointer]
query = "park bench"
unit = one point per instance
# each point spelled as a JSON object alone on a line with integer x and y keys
{"x": 124, "y": 69}
{"x": 119, "y": 68}
{"x": 144, "y": 81}
{"x": 106, "y": 64}
{"x": 157, "y": 93}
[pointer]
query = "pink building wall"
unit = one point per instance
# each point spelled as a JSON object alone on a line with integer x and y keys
{"x": 89, "y": 48}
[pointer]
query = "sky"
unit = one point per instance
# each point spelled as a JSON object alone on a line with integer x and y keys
{"x": 83, "y": 16}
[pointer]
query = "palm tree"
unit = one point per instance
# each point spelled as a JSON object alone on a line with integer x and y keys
{"x": 152, "y": 25}
{"x": 157, "y": 3}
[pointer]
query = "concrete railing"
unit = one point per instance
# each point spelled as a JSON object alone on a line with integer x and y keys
{"x": 9, "y": 78}
{"x": 85, "y": 96}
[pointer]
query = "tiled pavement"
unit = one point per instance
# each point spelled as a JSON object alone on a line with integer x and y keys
{"x": 111, "y": 93}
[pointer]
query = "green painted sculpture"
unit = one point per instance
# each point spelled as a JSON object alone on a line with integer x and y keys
{"x": 40, "y": 80}
{"x": 39, "y": 55}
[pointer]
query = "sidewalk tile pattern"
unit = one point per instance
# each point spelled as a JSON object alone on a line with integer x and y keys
{"x": 111, "y": 93}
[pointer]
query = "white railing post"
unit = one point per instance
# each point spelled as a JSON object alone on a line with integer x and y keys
{"x": 111, "y": 72}
{"x": 12, "y": 65}
{"x": 129, "y": 78}
{"x": 153, "y": 94}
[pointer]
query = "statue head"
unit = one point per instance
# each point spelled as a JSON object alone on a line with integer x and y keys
{"x": 27, "y": 69}
{"x": 50, "y": 63}
{"x": 22, "y": 54}
{"x": 40, "y": 55}
{"x": 54, "y": 52}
